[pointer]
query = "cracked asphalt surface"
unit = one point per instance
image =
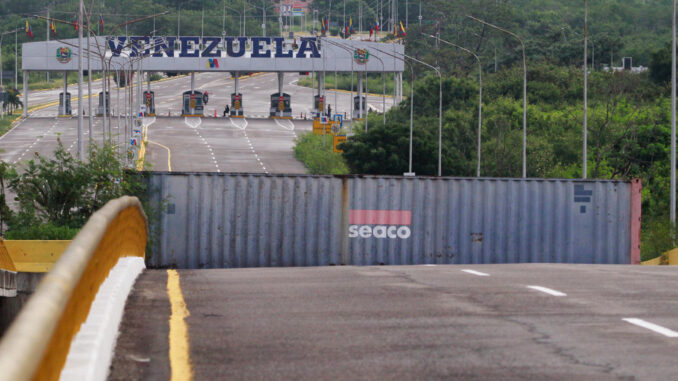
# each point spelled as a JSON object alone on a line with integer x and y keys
{"x": 413, "y": 322}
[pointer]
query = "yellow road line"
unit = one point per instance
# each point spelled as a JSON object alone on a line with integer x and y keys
{"x": 179, "y": 355}
{"x": 142, "y": 149}
{"x": 169, "y": 155}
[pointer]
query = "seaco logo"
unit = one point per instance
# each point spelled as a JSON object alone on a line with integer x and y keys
{"x": 393, "y": 224}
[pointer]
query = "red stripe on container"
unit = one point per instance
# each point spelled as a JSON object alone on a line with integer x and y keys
{"x": 379, "y": 217}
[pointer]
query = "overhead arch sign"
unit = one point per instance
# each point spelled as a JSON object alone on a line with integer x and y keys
{"x": 193, "y": 54}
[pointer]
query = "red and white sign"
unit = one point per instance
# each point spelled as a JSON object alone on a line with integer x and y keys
{"x": 368, "y": 223}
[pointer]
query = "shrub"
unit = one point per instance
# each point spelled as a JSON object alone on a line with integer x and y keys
{"x": 319, "y": 159}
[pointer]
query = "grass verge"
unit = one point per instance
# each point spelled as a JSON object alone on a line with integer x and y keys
{"x": 319, "y": 159}
{"x": 374, "y": 84}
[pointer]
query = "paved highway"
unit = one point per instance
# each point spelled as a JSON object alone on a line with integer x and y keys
{"x": 253, "y": 144}
{"x": 509, "y": 322}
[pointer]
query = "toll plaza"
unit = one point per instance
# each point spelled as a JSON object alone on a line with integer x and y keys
{"x": 144, "y": 55}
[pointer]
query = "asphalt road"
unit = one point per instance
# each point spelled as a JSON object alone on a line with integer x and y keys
{"x": 251, "y": 145}
{"x": 508, "y": 322}
{"x": 256, "y": 92}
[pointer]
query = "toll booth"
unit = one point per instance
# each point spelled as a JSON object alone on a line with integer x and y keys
{"x": 236, "y": 105}
{"x": 149, "y": 101}
{"x": 318, "y": 105}
{"x": 357, "y": 114}
{"x": 280, "y": 105}
{"x": 65, "y": 106}
{"x": 192, "y": 104}
{"x": 100, "y": 109}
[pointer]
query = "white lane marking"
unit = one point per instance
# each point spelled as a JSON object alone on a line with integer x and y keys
{"x": 193, "y": 122}
{"x": 547, "y": 291}
{"x": 40, "y": 137}
{"x": 652, "y": 327}
{"x": 474, "y": 272}
{"x": 147, "y": 121}
{"x": 288, "y": 125}
{"x": 242, "y": 125}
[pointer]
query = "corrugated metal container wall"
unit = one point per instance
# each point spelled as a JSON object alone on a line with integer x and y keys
{"x": 220, "y": 220}
{"x": 496, "y": 220}
{"x": 228, "y": 220}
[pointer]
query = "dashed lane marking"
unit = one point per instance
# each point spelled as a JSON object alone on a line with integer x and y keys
{"x": 285, "y": 123}
{"x": 193, "y": 122}
{"x": 51, "y": 128}
{"x": 474, "y": 272}
{"x": 547, "y": 290}
{"x": 652, "y": 327}
{"x": 241, "y": 123}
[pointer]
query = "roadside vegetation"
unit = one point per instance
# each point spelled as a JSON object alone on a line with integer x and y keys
{"x": 374, "y": 84}
{"x": 55, "y": 195}
{"x": 319, "y": 158}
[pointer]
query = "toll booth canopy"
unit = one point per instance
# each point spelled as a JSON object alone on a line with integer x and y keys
{"x": 280, "y": 105}
{"x": 193, "y": 104}
{"x": 236, "y": 104}
{"x": 149, "y": 101}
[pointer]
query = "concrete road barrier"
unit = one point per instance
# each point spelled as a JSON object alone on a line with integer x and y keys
{"x": 37, "y": 343}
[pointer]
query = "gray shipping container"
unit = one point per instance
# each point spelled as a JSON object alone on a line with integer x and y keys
{"x": 220, "y": 220}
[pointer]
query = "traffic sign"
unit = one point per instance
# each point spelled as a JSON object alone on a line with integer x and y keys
{"x": 337, "y": 139}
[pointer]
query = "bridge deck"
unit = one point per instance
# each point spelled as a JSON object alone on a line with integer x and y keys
{"x": 410, "y": 322}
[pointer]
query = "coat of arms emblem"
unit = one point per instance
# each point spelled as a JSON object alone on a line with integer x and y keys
{"x": 361, "y": 56}
{"x": 63, "y": 55}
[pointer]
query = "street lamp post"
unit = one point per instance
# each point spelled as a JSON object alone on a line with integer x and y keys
{"x": 524, "y": 87}
{"x": 383, "y": 67}
{"x": 410, "y": 173}
{"x": 673, "y": 119}
{"x": 586, "y": 88}
{"x": 480, "y": 94}
{"x": 440, "y": 111}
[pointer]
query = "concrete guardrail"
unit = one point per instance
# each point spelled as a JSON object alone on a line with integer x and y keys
{"x": 37, "y": 343}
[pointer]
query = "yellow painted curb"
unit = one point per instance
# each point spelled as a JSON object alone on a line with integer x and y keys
{"x": 35, "y": 256}
{"x": 6, "y": 262}
{"x": 142, "y": 149}
{"x": 669, "y": 258}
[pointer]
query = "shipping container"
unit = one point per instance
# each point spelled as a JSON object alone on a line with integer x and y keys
{"x": 220, "y": 220}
